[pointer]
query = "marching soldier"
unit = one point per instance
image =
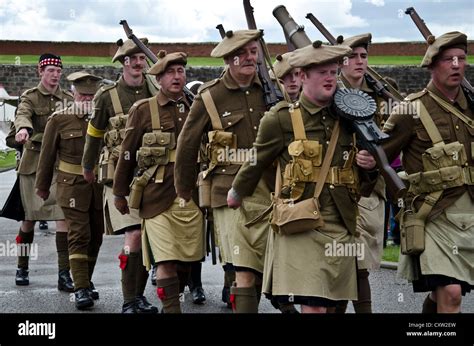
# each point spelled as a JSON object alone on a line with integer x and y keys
{"x": 81, "y": 202}
{"x": 36, "y": 105}
{"x": 435, "y": 133}
{"x": 370, "y": 221}
{"x": 290, "y": 77}
{"x": 172, "y": 229}
{"x": 111, "y": 106}
{"x": 298, "y": 267}
{"x": 227, "y": 112}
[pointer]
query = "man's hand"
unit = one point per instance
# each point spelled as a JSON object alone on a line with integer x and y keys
{"x": 121, "y": 204}
{"x": 43, "y": 194}
{"x": 233, "y": 199}
{"x": 365, "y": 160}
{"x": 88, "y": 175}
{"x": 186, "y": 195}
{"x": 22, "y": 136}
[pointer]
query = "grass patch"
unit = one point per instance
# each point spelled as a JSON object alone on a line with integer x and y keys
{"x": 390, "y": 253}
{"x": 7, "y": 159}
{"x": 194, "y": 61}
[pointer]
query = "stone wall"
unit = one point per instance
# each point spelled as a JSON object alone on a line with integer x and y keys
{"x": 17, "y": 79}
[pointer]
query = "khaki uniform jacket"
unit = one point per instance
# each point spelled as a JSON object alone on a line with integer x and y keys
{"x": 36, "y": 105}
{"x": 275, "y": 135}
{"x": 240, "y": 113}
{"x": 157, "y": 197}
{"x": 104, "y": 110}
{"x": 64, "y": 138}
{"x": 407, "y": 135}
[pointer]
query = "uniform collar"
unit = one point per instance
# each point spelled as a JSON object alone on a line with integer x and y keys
{"x": 308, "y": 105}
{"x": 44, "y": 91}
{"x": 460, "y": 99}
{"x": 163, "y": 99}
{"x": 347, "y": 84}
{"x": 230, "y": 82}
{"x": 131, "y": 89}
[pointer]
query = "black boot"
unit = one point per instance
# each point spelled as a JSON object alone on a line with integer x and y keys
{"x": 43, "y": 225}
{"x": 64, "y": 281}
{"x": 22, "y": 278}
{"x": 83, "y": 299}
{"x": 153, "y": 275}
{"x": 144, "y": 307}
{"x": 198, "y": 295}
{"x": 93, "y": 292}
{"x": 129, "y": 308}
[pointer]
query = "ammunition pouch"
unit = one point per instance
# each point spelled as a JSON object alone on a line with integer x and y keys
{"x": 219, "y": 143}
{"x": 305, "y": 167}
{"x": 444, "y": 167}
{"x": 157, "y": 150}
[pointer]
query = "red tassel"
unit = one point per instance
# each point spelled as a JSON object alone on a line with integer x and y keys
{"x": 19, "y": 239}
{"x": 161, "y": 293}
{"x": 123, "y": 261}
{"x": 232, "y": 301}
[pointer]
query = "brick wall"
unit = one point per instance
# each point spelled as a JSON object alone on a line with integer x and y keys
{"x": 17, "y": 79}
{"x": 193, "y": 49}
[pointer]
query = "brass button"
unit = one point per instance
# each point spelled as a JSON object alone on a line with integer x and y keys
{"x": 255, "y": 127}
{"x": 52, "y": 109}
{"x": 247, "y": 92}
{"x": 331, "y": 187}
{"x": 457, "y": 127}
{"x": 327, "y": 128}
{"x": 137, "y": 92}
{"x": 250, "y": 110}
{"x": 180, "y": 119}
{"x": 327, "y": 142}
{"x": 162, "y": 141}
{"x": 223, "y": 169}
{"x": 64, "y": 180}
{"x": 324, "y": 118}
{"x": 161, "y": 127}
{"x": 229, "y": 123}
{"x": 71, "y": 135}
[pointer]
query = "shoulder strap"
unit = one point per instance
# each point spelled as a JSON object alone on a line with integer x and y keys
{"x": 327, "y": 160}
{"x": 429, "y": 125}
{"x": 154, "y": 113}
{"x": 116, "y": 102}
{"x": 451, "y": 109}
{"x": 297, "y": 123}
{"x": 211, "y": 109}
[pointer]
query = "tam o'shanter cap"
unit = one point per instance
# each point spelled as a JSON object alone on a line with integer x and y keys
{"x": 281, "y": 66}
{"x": 453, "y": 39}
{"x": 165, "y": 59}
{"x": 234, "y": 40}
{"x": 50, "y": 59}
{"x": 355, "y": 41}
{"x": 318, "y": 54}
{"x": 127, "y": 48}
{"x": 85, "y": 83}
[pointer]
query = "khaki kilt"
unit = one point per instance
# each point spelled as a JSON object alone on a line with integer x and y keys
{"x": 370, "y": 224}
{"x": 225, "y": 224}
{"x": 297, "y": 265}
{"x": 177, "y": 234}
{"x": 35, "y": 208}
{"x": 114, "y": 221}
{"x": 449, "y": 245}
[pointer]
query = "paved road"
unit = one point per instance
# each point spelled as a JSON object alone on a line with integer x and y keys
{"x": 389, "y": 294}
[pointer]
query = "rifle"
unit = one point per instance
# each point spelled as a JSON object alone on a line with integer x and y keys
{"x": 211, "y": 241}
{"x": 271, "y": 94}
{"x": 421, "y": 25}
{"x": 150, "y": 55}
{"x": 373, "y": 78}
